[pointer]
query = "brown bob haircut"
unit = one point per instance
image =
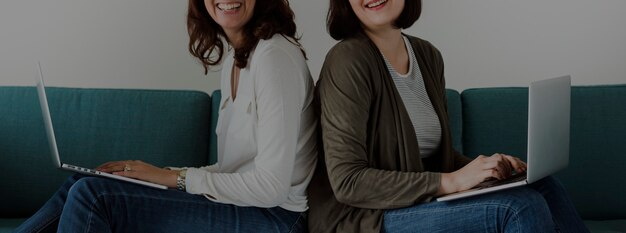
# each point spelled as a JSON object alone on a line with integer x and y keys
{"x": 206, "y": 37}
{"x": 342, "y": 23}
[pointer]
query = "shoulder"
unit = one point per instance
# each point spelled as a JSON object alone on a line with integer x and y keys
{"x": 279, "y": 45}
{"x": 352, "y": 50}
{"x": 279, "y": 59}
{"x": 424, "y": 47}
{"x": 352, "y": 58}
{"x": 351, "y": 65}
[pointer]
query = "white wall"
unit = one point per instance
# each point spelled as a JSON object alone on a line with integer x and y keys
{"x": 512, "y": 42}
{"x": 507, "y": 42}
{"x": 95, "y": 43}
{"x": 143, "y": 43}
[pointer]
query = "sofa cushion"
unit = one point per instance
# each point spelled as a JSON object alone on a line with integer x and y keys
{"x": 8, "y": 225}
{"x": 608, "y": 226}
{"x": 595, "y": 176}
{"x": 216, "y": 97}
{"x": 495, "y": 120}
{"x": 93, "y": 126}
{"x": 455, "y": 119}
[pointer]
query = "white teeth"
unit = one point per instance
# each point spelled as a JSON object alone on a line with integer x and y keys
{"x": 228, "y": 6}
{"x": 375, "y": 4}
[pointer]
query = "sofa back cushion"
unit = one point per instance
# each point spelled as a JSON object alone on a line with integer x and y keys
{"x": 455, "y": 118}
{"x": 495, "y": 120}
{"x": 216, "y": 97}
{"x": 93, "y": 126}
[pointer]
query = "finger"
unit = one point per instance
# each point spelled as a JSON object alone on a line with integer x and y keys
{"x": 503, "y": 165}
{"x": 133, "y": 167}
{"x": 506, "y": 165}
{"x": 492, "y": 173}
{"x": 518, "y": 165}
{"x": 502, "y": 171}
{"x": 112, "y": 166}
{"x": 134, "y": 162}
{"x": 130, "y": 174}
{"x": 494, "y": 166}
{"x": 498, "y": 167}
{"x": 495, "y": 157}
{"x": 489, "y": 165}
{"x": 524, "y": 165}
{"x": 107, "y": 164}
{"x": 118, "y": 166}
{"x": 521, "y": 161}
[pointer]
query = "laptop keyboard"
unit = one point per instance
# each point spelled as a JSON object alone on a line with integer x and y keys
{"x": 495, "y": 182}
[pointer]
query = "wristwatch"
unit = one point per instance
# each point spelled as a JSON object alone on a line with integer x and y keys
{"x": 180, "y": 180}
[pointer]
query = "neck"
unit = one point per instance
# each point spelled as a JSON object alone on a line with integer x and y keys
{"x": 235, "y": 38}
{"x": 389, "y": 41}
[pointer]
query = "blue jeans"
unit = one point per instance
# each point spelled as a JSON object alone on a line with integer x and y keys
{"x": 543, "y": 206}
{"x": 94, "y": 204}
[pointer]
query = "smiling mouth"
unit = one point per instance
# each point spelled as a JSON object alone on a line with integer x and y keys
{"x": 376, "y": 3}
{"x": 229, "y": 6}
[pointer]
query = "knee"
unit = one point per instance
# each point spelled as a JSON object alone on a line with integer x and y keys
{"x": 530, "y": 210}
{"x": 525, "y": 200}
{"x": 85, "y": 189}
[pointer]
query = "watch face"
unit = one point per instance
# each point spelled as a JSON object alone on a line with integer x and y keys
{"x": 183, "y": 173}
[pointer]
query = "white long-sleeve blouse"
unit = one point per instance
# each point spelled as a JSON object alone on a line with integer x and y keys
{"x": 266, "y": 135}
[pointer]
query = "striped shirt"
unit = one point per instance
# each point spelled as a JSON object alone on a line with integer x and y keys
{"x": 411, "y": 88}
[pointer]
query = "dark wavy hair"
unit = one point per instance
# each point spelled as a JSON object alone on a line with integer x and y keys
{"x": 206, "y": 37}
{"x": 342, "y": 22}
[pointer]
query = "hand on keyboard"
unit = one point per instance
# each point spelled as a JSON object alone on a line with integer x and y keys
{"x": 490, "y": 182}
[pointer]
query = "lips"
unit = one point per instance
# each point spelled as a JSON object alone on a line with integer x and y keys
{"x": 228, "y": 6}
{"x": 375, "y": 3}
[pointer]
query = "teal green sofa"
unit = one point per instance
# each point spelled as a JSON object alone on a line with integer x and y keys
{"x": 165, "y": 128}
{"x": 176, "y": 128}
{"x": 490, "y": 120}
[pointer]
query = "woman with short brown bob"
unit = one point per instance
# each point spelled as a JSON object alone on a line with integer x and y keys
{"x": 265, "y": 135}
{"x": 387, "y": 144}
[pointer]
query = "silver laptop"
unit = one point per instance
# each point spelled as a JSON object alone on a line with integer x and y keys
{"x": 43, "y": 101}
{"x": 548, "y": 137}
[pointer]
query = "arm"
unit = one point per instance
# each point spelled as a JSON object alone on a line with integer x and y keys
{"x": 279, "y": 96}
{"x": 345, "y": 98}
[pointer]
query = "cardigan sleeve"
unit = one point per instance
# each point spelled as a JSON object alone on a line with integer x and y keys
{"x": 345, "y": 96}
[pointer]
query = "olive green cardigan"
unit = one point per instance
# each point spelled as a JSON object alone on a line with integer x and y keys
{"x": 370, "y": 149}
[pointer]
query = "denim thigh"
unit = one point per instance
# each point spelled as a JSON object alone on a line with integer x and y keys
{"x": 97, "y": 204}
{"x": 519, "y": 209}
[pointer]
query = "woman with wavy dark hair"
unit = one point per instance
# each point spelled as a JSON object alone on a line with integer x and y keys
{"x": 266, "y": 141}
{"x": 387, "y": 145}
